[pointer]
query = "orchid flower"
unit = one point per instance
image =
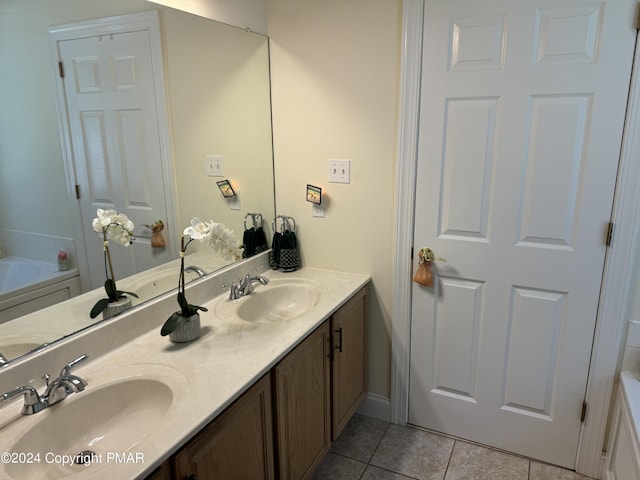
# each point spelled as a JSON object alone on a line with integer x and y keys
{"x": 119, "y": 228}
{"x": 221, "y": 239}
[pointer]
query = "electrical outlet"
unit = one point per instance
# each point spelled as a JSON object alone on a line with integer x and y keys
{"x": 339, "y": 171}
{"x": 215, "y": 166}
{"x": 317, "y": 211}
{"x": 234, "y": 202}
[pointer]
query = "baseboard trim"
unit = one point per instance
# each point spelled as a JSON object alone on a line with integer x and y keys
{"x": 376, "y": 406}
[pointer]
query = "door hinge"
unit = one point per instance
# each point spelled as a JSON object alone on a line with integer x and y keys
{"x": 61, "y": 69}
{"x": 583, "y": 413}
{"x": 609, "y": 236}
{"x": 77, "y": 191}
{"x": 411, "y": 253}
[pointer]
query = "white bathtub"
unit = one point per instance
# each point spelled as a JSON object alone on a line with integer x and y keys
{"x": 622, "y": 461}
{"x": 28, "y": 285}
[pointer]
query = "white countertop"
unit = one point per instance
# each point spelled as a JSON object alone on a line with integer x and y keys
{"x": 218, "y": 367}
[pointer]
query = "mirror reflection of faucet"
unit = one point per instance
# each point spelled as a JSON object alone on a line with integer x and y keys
{"x": 194, "y": 268}
{"x": 56, "y": 391}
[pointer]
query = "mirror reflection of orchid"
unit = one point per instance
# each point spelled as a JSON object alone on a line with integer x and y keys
{"x": 221, "y": 239}
{"x": 117, "y": 227}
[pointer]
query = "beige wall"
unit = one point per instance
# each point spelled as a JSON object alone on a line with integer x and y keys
{"x": 219, "y": 103}
{"x": 250, "y": 14}
{"x": 335, "y": 86}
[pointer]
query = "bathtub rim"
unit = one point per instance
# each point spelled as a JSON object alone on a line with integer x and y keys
{"x": 54, "y": 277}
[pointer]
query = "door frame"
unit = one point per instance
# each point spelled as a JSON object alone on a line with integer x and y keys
{"x": 147, "y": 21}
{"x": 611, "y": 321}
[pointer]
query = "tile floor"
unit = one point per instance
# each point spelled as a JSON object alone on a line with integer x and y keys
{"x": 370, "y": 449}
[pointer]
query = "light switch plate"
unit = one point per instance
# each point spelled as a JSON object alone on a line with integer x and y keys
{"x": 214, "y": 165}
{"x": 339, "y": 171}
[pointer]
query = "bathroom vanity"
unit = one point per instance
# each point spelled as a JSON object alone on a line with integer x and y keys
{"x": 316, "y": 389}
{"x": 262, "y": 393}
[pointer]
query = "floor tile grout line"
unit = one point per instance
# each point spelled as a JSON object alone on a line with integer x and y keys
{"x": 386, "y": 429}
{"x": 450, "y": 457}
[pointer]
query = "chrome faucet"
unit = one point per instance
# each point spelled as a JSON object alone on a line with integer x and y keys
{"x": 245, "y": 287}
{"x": 196, "y": 269}
{"x": 56, "y": 391}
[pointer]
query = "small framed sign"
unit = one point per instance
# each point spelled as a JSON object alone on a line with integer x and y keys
{"x": 314, "y": 194}
{"x": 226, "y": 188}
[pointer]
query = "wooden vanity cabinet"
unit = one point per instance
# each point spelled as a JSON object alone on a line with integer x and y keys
{"x": 238, "y": 444}
{"x": 317, "y": 389}
{"x": 285, "y": 423}
{"x": 163, "y": 472}
{"x": 348, "y": 365}
{"x": 302, "y": 406}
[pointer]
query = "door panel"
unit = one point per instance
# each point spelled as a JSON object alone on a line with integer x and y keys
{"x": 111, "y": 101}
{"x": 521, "y": 117}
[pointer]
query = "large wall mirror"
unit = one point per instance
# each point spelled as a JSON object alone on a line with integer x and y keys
{"x": 217, "y": 87}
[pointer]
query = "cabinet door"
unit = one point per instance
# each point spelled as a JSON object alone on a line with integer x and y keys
{"x": 303, "y": 426}
{"x": 163, "y": 472}
{"x": 349, "y": 373}
{"x": 237, "y": 445}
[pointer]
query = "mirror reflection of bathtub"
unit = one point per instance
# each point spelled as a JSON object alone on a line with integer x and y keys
{"x": 29, "y": 285}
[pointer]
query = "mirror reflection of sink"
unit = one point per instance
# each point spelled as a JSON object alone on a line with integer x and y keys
{"x": 15, "y": 345}
{"x": 106, "y": 418}
{"x": 279, "y": 300}
{"x": 159, "y": 283}
{"x": 14, "y": 350}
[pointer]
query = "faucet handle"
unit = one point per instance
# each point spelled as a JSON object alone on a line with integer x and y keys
{"x": 233, "y": 289}
{"x": 65, "y": 372}
{"x": 32, "y": 401}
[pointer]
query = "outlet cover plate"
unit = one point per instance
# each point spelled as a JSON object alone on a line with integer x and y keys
{"x": 317, "y": 211}
{"x": 339, "y": 170}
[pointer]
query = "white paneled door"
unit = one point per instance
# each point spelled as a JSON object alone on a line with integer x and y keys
{"x": 111, "y": 104}
{"x": 521, "y": 120}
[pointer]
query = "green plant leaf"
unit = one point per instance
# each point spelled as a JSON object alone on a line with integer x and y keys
{"x": 184, "y": 304}
{"x": 99, "y": 307}
{"x": 122, "y": 292}
{"x": 173, "y": 322}
{"x": 110, "y": 287}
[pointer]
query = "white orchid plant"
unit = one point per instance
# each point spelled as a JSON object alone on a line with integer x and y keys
{"x": 117, "y": 227}
{"x": 221, "y": 239}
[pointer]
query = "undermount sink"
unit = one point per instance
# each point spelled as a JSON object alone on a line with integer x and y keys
{"x": 117, "y": 410}
{"x": 279, "y": 300}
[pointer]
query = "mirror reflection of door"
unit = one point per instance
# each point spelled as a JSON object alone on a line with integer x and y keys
{"x": 109, "y": 85}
